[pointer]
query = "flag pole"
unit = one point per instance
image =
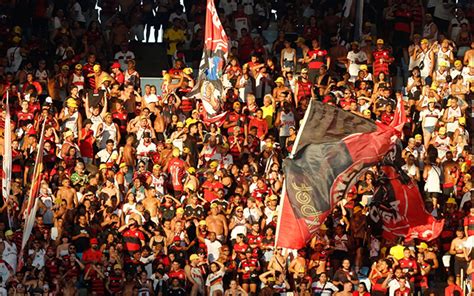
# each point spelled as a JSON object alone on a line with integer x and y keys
{"x": 7, "y": 158}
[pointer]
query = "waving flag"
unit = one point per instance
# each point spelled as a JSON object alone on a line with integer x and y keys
{"x": 332, "y": 149}
{"x": 7, "y": 156}
{"x": 397, "y": 208}
{"x": 32, "y": 203}
{"x": 209, "y": 88}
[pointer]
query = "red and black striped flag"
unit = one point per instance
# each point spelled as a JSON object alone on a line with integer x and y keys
{"x": 209, "y": 88}
{"x": 332, "y": 149}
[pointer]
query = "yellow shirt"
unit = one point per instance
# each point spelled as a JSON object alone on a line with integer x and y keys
{"x": 268, "y": 115}
{"x": 173, "y": 36}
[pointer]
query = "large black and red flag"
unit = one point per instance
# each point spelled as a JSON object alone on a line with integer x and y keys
{"x": 332, "y": 149}
{"x": 209, "y": 88}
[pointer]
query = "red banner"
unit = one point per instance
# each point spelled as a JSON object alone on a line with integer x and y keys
{"x": 398, "y": 207}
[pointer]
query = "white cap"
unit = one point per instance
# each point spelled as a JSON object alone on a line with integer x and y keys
{"x": 48, "y": 100}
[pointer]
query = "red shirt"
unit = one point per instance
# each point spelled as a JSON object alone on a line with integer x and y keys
{"x": 469, "y": 222}
{"x": 177, "y": 274}
{"x": 408, "y": 265}
{"x": 133, "y": 238}
{"x": 92, "y": 255}
{"x": 210, "y": 192}
{"x": 449, "y": 290}
{"x": 379, "y": 65}
{"x": 86, "y": 145}
{"x": 261, "y": 124}
{"x": 318, "y": 58}
{"x": 246, "y": 264}
{"x": 387, "y": 118}
{"x": 177, "y": 171}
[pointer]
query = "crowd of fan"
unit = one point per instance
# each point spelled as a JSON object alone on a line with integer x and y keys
{"x": 139, "y": 196}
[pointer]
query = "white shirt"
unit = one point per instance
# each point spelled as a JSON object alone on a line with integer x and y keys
{"x": 142, "y": 148}
{"x": 393, "y": 285}
{"x": 212, "y": 249}
{"x": 123, "y": 57}
{"x": 430, "y": 117}
{"x": 38, "y": 261}
{"x": 353, "y": 58}
{"x": 329, "y": 288}
{"x": 104, "y": 156}
{"x": 252, "y": 214}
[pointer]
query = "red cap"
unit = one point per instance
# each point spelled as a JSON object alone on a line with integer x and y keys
{"x": 94, "y": 241}
{"x": 115, "y": 65}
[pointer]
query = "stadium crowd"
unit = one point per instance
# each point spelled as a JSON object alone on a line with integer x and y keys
{"x": 139, "y": 196}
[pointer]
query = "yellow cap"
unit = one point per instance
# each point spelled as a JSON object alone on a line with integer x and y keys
{"x": 68, "y": 134}
{"x": 191, "y": 170}
{"x": 422, "y": 245}
{"x": 424, "y": 41}
{"x": 363, "y": 67}
{"x": 65, "y": 67}
{"x": 193, "y": 257}
{"x": 156, "y": 167}
{"x": 418, "y": 137}
{"x": 188, "y": 71}
{"x": 236, "y": 104}
{"x": 202, "y": 223}
{"x": 102, "y": 166}
{"x": 180, "y": 124}
{"x": 380, "y": 41}
{"x": 457, "y": 63}
{"x": 280, "y": 80}
{"x": 434, "y": 86}
{"x": 442, "y": 130}
{"x": 9, "y": 232}
{"x": 78, "y": 66}
{"x": 443, "y": 63}
{"x": 451, "y": 200}
{"x": 273, "y": 197}
{"x": 122, "y": 165}
{"x": 180, "y": 211}
{"x": 213, "y": 164}
{"x": 175, "y": 152}
{"x": 213, "y": 206}
{"x": 367, "y": 112}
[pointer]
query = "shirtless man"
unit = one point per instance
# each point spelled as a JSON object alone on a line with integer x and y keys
{"x": 298, "y": 266}
{"x": 152, "y": 204}
{"x": 129, "y": 152}
{"x": 278, "y": 261}
{"x": 217, "y": 223}
{"x": 450, "y": 173}
{"x": 460, "y": 258}
{"x": 67, "y": 193}
{"x": 347, "y": 290}
{"x": 159, "y": 123}
{"x": 469, "y": 55}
